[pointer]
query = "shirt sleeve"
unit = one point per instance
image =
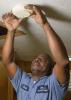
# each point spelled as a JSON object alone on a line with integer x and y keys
{"x": 57, "y": 87}
{"x": 17, "y": 78}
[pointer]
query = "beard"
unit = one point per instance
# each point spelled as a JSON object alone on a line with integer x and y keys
{"x": 35, "y": 69}
{"x": 38, "y": 70}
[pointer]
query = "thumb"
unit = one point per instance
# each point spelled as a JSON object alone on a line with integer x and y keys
{"x": 36, "y": 9}
{"x": 20, "y": 20}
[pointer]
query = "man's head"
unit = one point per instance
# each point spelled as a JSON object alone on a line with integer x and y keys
{"x": 42, "y": 65}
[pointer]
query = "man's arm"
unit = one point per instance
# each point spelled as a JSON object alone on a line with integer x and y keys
{"x": 58, "y": 50}
{"x": 11, "y": 23}
{"x": 56, "y": 46}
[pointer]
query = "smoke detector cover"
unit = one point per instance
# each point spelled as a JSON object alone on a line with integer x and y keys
{"x": 20, "y": 11}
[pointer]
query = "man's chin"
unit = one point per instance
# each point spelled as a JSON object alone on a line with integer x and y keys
{"x": 34, "y": 70}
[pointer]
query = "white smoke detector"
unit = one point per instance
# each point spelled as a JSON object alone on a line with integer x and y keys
{"x": 20, "y": 11}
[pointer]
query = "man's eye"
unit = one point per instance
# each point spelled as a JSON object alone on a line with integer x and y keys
{"x": 40, "y": 59}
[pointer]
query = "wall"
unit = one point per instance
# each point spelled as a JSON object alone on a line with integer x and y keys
{"x": 68, "y": 96}
{"x": 3, "y": 83}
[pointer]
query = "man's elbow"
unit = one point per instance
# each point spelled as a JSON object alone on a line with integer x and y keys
{"x": 65, "y": 62}
{"x": 5, "y": 59}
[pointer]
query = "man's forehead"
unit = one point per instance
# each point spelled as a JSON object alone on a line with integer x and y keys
{"x": 43, "y": 55}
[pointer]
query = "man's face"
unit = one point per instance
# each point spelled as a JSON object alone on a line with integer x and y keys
{"x": 39, "y": 64}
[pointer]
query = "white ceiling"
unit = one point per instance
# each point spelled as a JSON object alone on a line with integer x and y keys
{"x": 58, "y": 13}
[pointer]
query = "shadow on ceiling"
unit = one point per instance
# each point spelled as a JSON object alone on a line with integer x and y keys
{"x": 55, "y": 14}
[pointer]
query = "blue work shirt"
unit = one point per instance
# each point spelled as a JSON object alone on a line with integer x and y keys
{"x": 46, "y": 88}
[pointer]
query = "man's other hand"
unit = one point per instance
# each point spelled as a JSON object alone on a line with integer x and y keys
{"x": 11, "y": 22}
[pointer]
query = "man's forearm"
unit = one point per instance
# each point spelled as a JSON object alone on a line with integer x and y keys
{"x": 8, "y": 47}
{"x": 56, "y": 45}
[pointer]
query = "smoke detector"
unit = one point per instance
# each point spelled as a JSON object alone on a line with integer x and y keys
{"x": 20, "y": 11}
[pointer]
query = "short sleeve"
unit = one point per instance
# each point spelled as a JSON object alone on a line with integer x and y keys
{"x": 60, "y": 89}
{"x": 17, "y": 78}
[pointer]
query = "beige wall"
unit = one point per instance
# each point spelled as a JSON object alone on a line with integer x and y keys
{"x": 3, "y": 83}
{"x": 68, "y": 96}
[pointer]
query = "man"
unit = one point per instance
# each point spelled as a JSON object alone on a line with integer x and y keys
{"x": 38, "y": 86}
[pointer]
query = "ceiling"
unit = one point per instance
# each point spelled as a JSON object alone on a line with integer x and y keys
{"x": 58, "y": 13}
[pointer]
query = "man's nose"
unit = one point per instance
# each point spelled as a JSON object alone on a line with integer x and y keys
{"x": 36, "y": 59}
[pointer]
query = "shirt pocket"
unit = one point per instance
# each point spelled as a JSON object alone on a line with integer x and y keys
{"x": 42, "y": 92}
{"x": 24, "y": 91}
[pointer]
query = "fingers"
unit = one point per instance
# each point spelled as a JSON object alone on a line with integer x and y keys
{"x": 20, "y": 20}
{"x": 35, "y": 10}
{"x": 30, "y": 7}
{"x": 8, "y": 16}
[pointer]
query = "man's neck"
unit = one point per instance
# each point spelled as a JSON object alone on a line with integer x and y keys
{"x": 37, "y": 76}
